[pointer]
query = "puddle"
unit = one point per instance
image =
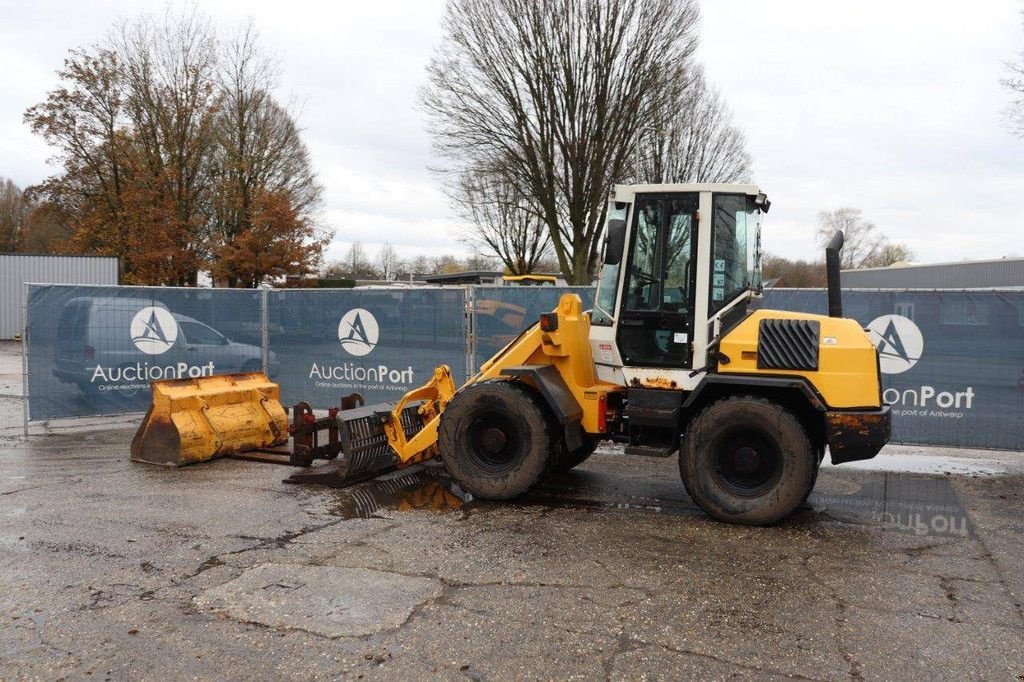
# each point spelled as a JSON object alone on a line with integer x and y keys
{"x": 897, "y": 501}
{"x": 425, "y": 488}
{"x": 891, "y": 500}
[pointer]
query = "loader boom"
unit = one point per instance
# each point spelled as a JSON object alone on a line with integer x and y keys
{"x": 564, "y": 346}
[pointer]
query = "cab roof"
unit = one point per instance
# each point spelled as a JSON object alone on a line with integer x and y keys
{"x": 620, "y": 192}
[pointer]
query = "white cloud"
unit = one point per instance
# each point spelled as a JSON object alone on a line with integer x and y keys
{"x": 894, "y": 107}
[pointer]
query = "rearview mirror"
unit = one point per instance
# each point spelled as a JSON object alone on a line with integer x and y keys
{"x": 615, "y": 241}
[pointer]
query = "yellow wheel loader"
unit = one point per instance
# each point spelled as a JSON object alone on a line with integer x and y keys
{"x": 670, "y": 361}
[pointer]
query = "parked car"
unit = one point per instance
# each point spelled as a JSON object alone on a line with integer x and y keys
{"x": 98, "y": 349}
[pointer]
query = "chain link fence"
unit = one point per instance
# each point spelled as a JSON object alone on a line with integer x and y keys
{"x": 952, "y": 361}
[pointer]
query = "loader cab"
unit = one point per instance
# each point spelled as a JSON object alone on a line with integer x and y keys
{"x": 680, "y": 261}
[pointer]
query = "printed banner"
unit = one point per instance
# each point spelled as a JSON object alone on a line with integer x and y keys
{"x": 376, "y": 342}
{"x": 94, "y": 350}
{"x": 952, "y": 361}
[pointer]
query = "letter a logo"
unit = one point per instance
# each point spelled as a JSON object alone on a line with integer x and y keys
{"x": 899, "y": 342}
{"x": 358, "y": 331}
{"x": 154, "y": 330}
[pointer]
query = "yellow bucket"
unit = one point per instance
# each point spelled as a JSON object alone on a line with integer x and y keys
{"x": 193, "y": 420}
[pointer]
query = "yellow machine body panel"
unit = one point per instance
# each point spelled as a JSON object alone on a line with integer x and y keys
{"x": 192, "y": 420}
{"x": 847, "y": 374}
{"x": 567, "y": 349}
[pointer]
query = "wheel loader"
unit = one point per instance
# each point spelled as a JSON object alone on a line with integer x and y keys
{"x": 671, "y": 361}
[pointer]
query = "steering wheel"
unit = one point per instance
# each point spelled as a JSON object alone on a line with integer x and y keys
{"x": 642, "y": 277}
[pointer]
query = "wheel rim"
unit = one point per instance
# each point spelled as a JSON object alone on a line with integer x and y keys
{"x": 493, "y": 443}
{"x": 747, "y": 463}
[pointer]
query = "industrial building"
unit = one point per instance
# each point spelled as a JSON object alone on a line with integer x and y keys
{"x": 18, "y": 268}
{"x": 1003, "y": 273}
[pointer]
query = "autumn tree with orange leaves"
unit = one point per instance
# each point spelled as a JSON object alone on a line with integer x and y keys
{"x": 275, "y": 242}
{"x": 176, "y": 158}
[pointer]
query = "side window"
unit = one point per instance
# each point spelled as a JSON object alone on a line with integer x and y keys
{"x": 645, "y": 274}
{"x": 678, "y": 266}
{"x": 734, "y": 249}
{"x": 201, "y": 335}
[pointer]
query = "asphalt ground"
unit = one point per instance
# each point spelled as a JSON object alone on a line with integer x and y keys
{"x": 908, "y": 568}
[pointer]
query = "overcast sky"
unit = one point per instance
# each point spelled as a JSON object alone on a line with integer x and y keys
{"x": 894, "y": 107}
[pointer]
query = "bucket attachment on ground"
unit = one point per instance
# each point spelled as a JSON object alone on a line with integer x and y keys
{"x": 193, "y": 420}
{"x": 375, "y": 439}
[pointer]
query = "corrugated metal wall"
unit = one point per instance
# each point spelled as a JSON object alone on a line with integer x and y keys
{"x": 16, "y": 269}
{"x": 1007, "y": 272}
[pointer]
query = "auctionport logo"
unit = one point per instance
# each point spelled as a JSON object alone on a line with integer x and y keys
{"x": 154, "y": 330}
{"x": 358, "y": 331}
{"x": 900, "y": 345}
{"x": 899, "y": 342}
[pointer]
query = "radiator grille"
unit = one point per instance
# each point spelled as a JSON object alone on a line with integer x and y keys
{"x": 788, "y": 344}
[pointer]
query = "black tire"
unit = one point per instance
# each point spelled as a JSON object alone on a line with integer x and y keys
{"x": 747, "y": 460}
{"x": 820, "y": 457}
{"x": 563, "y": 460}
{"x": 496, "y": 439}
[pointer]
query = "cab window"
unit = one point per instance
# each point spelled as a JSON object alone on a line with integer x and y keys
{"x": 735, "y": 263}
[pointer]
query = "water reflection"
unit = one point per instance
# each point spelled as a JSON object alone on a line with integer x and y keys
{"x": 426, "y": 489}
{"x": 906, "y": 503}
{"x": 919, "y": 505}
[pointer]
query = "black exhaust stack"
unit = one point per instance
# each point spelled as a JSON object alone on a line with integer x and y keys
{"x": 835, "y": 295}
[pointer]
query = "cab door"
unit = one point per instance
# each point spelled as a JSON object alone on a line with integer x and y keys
{"x": 655, "y": 323}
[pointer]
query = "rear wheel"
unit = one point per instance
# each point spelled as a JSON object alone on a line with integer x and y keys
{"x": 747, "y": 460}
{"x": 496, "y": 439}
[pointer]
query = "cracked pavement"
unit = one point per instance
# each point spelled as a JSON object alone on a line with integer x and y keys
{"x": 122, "y": 570}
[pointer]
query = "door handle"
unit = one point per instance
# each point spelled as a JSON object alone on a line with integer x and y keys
{"x": 631, "y": 323}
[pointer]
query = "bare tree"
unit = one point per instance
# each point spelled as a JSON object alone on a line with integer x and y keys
{"x": 1014, "y": 82}
{"x": 420, "y": 265}
{"x": 890, "y": 253}
{"x": 561, "y": 102}
{"x": 692, "y": 140}
{"x": 15, "y": 208}
{"x": 793, "y": 273}
{"x": 357, "y": 265}
{"x": 864, "y": 246}
{"x": 446, "y": 264}
{"x": 502, "y": 221}
{"x": 862, "y": 239}
{"x": 387, "y": 262}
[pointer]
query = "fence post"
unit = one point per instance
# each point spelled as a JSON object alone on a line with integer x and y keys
{"x": 24, "y": 360}
{"x": 470, "y": 299}
{"x": 264, "y": 331}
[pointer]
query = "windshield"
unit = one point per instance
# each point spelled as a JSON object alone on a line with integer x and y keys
{"x": 736, "y": 264}
{"x": 608, "y": 283}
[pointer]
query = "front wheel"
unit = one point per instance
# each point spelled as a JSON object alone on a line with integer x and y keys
{"x": 747, "y": 460}
{"x": 496, "y": 439}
